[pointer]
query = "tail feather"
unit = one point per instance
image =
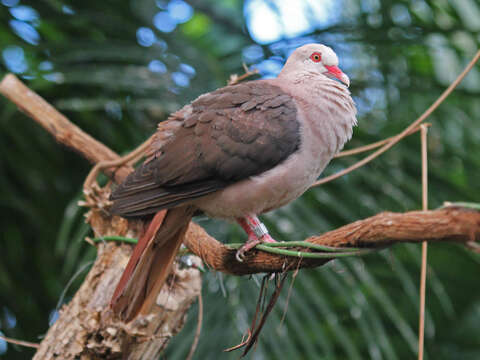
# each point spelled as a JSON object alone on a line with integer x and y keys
{"x": 143, "y": 241}
{"x": 150, "y": 263}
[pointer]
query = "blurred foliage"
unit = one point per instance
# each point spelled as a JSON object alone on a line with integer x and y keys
{"x": 117, "y": 68}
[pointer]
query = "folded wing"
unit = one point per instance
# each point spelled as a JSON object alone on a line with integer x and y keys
{"x": 222, "y": 137}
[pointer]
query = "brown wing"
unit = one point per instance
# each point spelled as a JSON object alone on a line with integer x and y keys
{"x": 222, "y": 137}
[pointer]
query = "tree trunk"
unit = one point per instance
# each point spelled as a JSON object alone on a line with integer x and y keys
{"x": 87, "y": 329}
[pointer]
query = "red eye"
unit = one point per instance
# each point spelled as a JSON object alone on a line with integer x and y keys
{"x": 316, "y": 57}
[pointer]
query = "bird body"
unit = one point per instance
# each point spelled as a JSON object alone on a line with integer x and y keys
{"x": 234, "y": 153}
{"x": 324, "y": 127}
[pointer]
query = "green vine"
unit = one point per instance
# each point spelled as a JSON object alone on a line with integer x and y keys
{"x": 322, "y": 251}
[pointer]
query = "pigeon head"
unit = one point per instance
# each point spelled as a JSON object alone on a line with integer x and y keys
{"x": 316, "y": 58}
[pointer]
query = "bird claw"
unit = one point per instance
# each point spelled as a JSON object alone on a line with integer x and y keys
{"x": 250, "y": 244}
{"x": 257, "y": 234}
{"x": 240, "y": 255}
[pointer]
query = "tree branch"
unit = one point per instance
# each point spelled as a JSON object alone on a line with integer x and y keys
{"x": 57, "y": 124}
{"x": 452, "y": 223}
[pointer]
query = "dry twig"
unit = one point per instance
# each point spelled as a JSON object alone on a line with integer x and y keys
{"x": 20, "y": 342}
{"x": 423, "y": 272}
{"x": 199, "y": 328}
{"x": 235, "y": 79}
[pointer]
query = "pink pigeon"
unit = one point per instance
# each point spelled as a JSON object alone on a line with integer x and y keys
{"x": 233, "y": 153}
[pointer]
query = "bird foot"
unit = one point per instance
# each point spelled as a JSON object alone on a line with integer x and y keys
{"x": 257, "y": 234}
{"x": 267, "y": 239}
{"x": 250, "y": 244}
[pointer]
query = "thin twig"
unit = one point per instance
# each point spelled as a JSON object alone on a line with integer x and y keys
{"x": 374, "y": 145}
{"x": 70, "y": 282}
{"x": 20, "y": 342}
{"x": 273, "y": 299}
{"x": 129, "y": 160}
{"x": 407, "y": 130}
{"x": 289, "y": 294}
{"x": 199, "y": 328}
{"x": 423, "y": 274}
{"x": 235, "y": 79}
{"x": 258, "y": 309}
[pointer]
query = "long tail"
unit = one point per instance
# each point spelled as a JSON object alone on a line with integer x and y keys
{"x": 150, "y": 263}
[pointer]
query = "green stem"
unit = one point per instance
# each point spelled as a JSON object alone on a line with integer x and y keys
{"x": 307, "y": 244}
{"x": 115, "y": 238}
{"x": 339, "y": 252}
{"x": 468, "y": 205}
{"x": 328, "y": 252}
{"x": 313, "y": 255}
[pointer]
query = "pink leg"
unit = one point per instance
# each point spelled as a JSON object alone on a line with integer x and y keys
{"x": 246, "y": 226}
{"x": 256, "y": 231}
{"x": 256, "y": 223}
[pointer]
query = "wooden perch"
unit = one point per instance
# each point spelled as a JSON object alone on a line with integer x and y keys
{"x": 448, "y": 224}
{"x": 86, "y": 327}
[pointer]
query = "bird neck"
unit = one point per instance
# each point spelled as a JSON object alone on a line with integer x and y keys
{"x": 295, "y": 75}
{"x": 328, "y": 106}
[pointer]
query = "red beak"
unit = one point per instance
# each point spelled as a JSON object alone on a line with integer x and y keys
{"x": 335, "y": 72}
